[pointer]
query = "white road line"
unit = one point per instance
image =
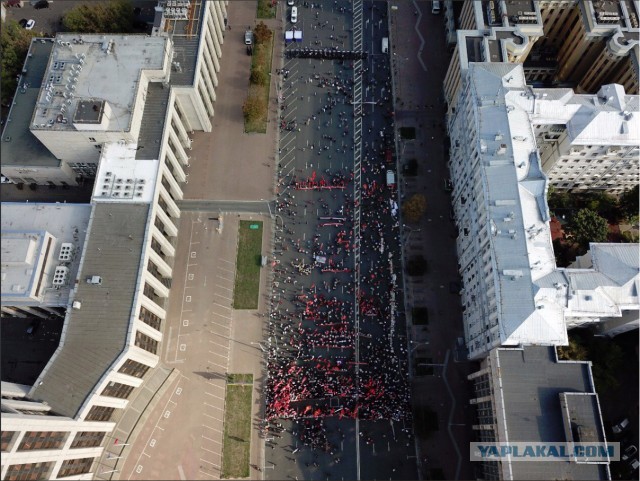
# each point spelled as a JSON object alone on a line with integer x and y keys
{"x": 213, "y": 417}
{"x": 224, "y": 297}
{"x": 212, "y": 406}
{"x": 226, "y": 346}
{"x": 226, "y": 307}
{"x": 222, "y": 315}
{"x": 202, "y": 447}
{"x": 213, "y": 429}
{"x": 217, "y": 354}
{"x": 181, "y": 473}
{"x": 225, "y": 269}
{"x": 222, "y": 287}
{"x": 209, "y": 462}
{"x": 213, "y": 395}
{"x": 219, "y": 365}
{"x": 225, "y": 260}
{"x": 208, "y": 474}
{"x": 226, "y": 326}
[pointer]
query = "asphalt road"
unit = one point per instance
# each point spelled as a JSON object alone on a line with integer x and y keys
{"x": 337, "y": 355}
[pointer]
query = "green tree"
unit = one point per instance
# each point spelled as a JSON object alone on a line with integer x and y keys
{"x": 14, "y": 45}
{"x": 254, "y": 106}
{"x": 587, "y": 226}
{"x": 630, "y": 203}
{"x": 413, "y": 209}
{"x": 258, "y": 77}
{"x": 575, "y": 351}
{"x": 115, "y": 16}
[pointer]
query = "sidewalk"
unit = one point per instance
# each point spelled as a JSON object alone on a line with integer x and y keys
{"x": 419, "y": 62}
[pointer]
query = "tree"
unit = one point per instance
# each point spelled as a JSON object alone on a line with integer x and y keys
{"x": 413, "y": 209}
{"x": 262, "y": 33}
{"x": 587, "y": 226}
{"x": 258, "y": 77}
{"x": 254, "y": 106}
{"x": 115, "y": 16}
{"x": 14, "y": 45}
{"x": 575, "y": 351}
{"x": 630, "y": 203}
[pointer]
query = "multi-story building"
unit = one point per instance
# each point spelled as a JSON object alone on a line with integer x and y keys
{"x": 135, "y": 100}
{"x": 41, "y": 246}
{"x": 588, "y": 142}
{"x": 579, "y": 43}
{"x": 512, "y": 292}
{"x": 528, "y": 395}
{"x": 80, "y": 92}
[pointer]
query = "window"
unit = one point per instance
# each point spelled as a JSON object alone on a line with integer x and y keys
{"x": 116, "y": 389}
{"x": 42, "y": 440}
{"x": 73, "y": 467}
{"x": 87, "y": 439}
{"x": 7, "y": 436}
{"x": 92, "y": 139}
{"x": 28, "y": 472}
{"x": 99, "y": 413}
{"x": 145, "y": 342}
{"x": 150, "y": 318}
{"x": 134, "y": 368}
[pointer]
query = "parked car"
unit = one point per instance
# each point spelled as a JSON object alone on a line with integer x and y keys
{"x": 30, "y": 24}
{"x": 248, "y": 37}
{"x": 629, "y": 452}
{"x": 41, "y": 4}
{"x": 621, "y": 426}
{"x": 22, "y": 22}
{"x": 634, "y": 464}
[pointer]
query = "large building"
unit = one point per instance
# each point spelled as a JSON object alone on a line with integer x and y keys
{"x": 41, "y": 246}
{"x": 80, "y": 92}
{"x": 528, "y": 395}
{"x": 579, "y": 43}
{"x": 117, "y": 108}
{"x": 512, "y": 293}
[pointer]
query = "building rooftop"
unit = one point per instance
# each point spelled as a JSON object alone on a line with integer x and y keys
{"x": 19, "y": 146}
{"x": 123, "y": 178}
{"x": 515, "y": 199}
{"x": 87, "y": 72}
{"x": 536, "y": 393}
{"x": 24, "y": 246}
{"x": 96, "y": 333}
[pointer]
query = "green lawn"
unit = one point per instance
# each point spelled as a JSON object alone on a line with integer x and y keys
{"x": 247, "y": 286}
{"x": 237, "y": 432}
{"x": 240, "y": 378}
{"x": 265, "y": 10}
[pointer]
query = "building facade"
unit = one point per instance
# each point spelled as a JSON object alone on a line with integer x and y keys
{"x": 139, "y": 143}
{"x": 512, "y": 292}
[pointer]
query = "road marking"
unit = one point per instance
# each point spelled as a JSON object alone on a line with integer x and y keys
{"x": 191, "y": 276}
{"x": 187, "y": 299}
{"x": 222, "y": 315}
{"x": 139, "y": 468}
{"x": 226, "y": 326}
{"x": 185, "y": 322}
{"x": 219, "y": 365}
{"x": 212, "y": 406}
{"x": 226, "y": 307}
{"x": 183, "y": 347}
{"x": 213, "y": 429}
{"x": 218, "y": 354}
{"x": 208, "y": 450}
{"x": 225, "y": 260}
{"x": 193, "y": 254}
{"x": 209, "y": 462}
{"x": 209, "y": 439}
{"x": 226, "y": 346}
{"x": 225, "y": 269}
{"x": 213, "y": 395}
{"x": 213, "y": 417}
{"x": 152, "y": 443}
{"x": 181, "y": 473}
{"x": 220, "y": 295}
{"x": 222, "y": 287}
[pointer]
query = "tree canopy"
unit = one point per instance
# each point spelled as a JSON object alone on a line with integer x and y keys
{"x": 630, "y": 203}
{"x": 413, "y": 209}
{"x": 115, "y": 16}
{"x": 587, "y": 226}
{"x": 14, "y": 45}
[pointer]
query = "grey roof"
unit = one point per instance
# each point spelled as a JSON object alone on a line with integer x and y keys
{"x": 532, "y": 384}
{"x": 19, "y": 146}
{"x": 619, "y": 262}
{"x": 95, "y": 335}
{"x": 185, "y": 46}
{"x": 153, "y": 116}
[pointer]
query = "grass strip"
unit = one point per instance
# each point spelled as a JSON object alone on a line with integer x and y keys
{"x": 256, "y": 106}
{"x": 240, "y": 378}
{"x": 237, "y": 432}
{"x": 248, "y": 261}
{"x": 266, "y": 9}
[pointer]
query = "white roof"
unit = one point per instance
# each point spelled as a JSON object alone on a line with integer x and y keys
{"x": 123, "y": 178}
{"x": 515, "y": 199}
{"x": 26, "y": 230}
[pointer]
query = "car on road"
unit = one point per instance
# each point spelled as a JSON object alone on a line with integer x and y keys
{"x": 22, "y": 22}
{"x": 621, "y": 426}
{"x": 629, "y": 452}
{"x": 294, "y": 14}
{"x": 291, "y": 3}
{"x": 30, "y": 24}
{"x": 41, "y": 4}
{"x": 435, "y": 7}
{"x": 248, "y": 37}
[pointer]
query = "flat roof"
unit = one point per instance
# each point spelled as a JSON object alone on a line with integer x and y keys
{"x": 123, "y": 178}
{"x": 23, "y": 228}
{"x": 515, "y": 202}
{"x": 531, "y": 382}
{"x": 89, "y": 112}
{"x": 96, "y": 333}
{"x": 85, "y": 68}
{"x": 18, "y": 145}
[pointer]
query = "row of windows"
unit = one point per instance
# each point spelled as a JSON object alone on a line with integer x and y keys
{"x": 73, "y": 467}
{"x": 42, "y": 440}
{"x": 28, "y": 472}
{"x": 88, "y": 439}
{"x": 118, "y": 390}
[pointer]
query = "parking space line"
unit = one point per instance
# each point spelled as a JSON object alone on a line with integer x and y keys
{"x": 224, "y": 297}
{"x": 208, "y": 450}
{"x": 219, "y": 365}
{"x": 209, "y": 462}
{"x": 213, "y": 417}
{"x": 225, "y": 269}
{"x": 221, "y": 355}
{"x": 212, "y": 406}
{"x": 225, "y": 288}
{"x": 213, "y": 429}
{"x": 208, "y": 474}
{"x": 220, "y": 305}
{"x": 222, "y": 315}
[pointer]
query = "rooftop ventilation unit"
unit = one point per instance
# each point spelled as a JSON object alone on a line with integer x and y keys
{"x": 66, "y": 251}
{"x": 60, "y": 276}
{"x": 94, "y": 280}
{"x": 77, "y": 304}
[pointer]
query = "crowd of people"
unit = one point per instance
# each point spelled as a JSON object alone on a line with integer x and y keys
{"x": 336, "y": 350}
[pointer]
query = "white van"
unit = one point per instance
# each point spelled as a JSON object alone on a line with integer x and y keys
{"x": 435, "y": 7}
{"x": 385, "y": 45}
{"x": 294, "y": 14}
{"x": 391, "y": 179}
